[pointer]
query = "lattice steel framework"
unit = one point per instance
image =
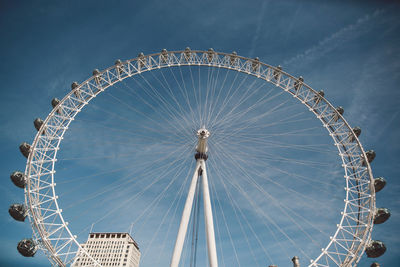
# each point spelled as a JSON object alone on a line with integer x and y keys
{"x": 50, "y": 230}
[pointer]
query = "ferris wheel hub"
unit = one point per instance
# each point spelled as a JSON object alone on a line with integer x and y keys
{"x": 203, "y": 135}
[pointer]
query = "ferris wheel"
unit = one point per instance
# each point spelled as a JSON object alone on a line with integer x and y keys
{"x": 256, "y": 148}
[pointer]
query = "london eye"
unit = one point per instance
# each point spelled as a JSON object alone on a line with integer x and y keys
{"x": 276, "y": 168}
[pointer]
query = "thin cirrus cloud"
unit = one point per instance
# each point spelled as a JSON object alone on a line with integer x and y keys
{"x": 337, "y": 39}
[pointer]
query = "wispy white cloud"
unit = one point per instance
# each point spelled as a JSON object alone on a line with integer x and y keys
{"x": 257, "y": 33}
{"x": 333, "y": 41}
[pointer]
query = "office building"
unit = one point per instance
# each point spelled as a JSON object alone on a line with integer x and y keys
{"x": 109, "y": 249}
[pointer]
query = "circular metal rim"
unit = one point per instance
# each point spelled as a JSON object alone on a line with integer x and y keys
{"x": 46, "y": 144}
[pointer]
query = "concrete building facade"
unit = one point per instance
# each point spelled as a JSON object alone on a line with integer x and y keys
{"x": 110, "y": 249}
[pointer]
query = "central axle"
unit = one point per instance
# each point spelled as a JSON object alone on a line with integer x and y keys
{"x": 201, "y": 147}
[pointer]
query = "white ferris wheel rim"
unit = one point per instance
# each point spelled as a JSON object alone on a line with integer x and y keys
{"x": 49, "y": 227}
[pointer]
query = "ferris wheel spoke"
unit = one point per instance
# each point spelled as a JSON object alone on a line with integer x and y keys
{"x": 276, "y": 203}
{"x": 238, "y": 219}
{"x": 227, "y": 229}
{"x": 276, "y": 158}
{"x": 160, "y": 106}
{"x": 163, "y": 127}
{"x": 215, "y": 100}
{"x": 249, "y": 161}
{"x": 242, "y": 141}
{"x": 138, "y": 132}
{"x": 133, "y": 197}
{"x": 178, "y": 198}
{"x": 168, "y": 105}
{"x": 187, "y": 116}
{"x": 166, "y": 213}
{"x": 229, "y": 96}
{"x": 246, "y": 220}
{"x": 197, "y": 98}
{"x": 150, "y": 207}
{"x": 168, "y": 108}
{"x": 124, "y": 181}
{"x": 257, "y": 103}
{"x": 210, "y": 94}
{"x": 245, "y": 96}
{"x": 226, "y": 167}
{"x": 282, "y": 208}
{"x": 251, "y": 122}
{"x": 85, "y": 177}
{"x": 217, "y": 222}
{"x": 301, "y": 198}
{"x": 184, "y": 93}
{"x": 143, "y": 130}
{"x": 260, "y": 152}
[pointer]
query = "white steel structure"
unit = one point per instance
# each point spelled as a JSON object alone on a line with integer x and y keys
{"x": 109, "y": 249}
{"x": 200, "y": 170}
{"x": 51, "y": 231}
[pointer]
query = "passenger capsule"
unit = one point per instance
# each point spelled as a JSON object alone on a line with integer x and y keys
{"x": 340, "y": 111}
{"x": 379, "y": 184}
{"x": 357, "y": 133}
{"x": 74, "y": 85}
{"x": 96, "y": 74}
{"x": 18, "y": 212}
{"x": 210, "y": 54}
{"x": 296, "y": 262}
{"x": 381, "y": 215}
{"x": 375, "y": 264}
{"x": 232, "y": 58}
{"x": 370, "y": 155}
{"x": 27, "y": 247}
{"x": 255, "y": 64}
{"x": 277, "y": 72}
{"x": 25, "y": 149}
{"x": 141, "y": 60}
{"x": 54, "y": 103}
{"x": 375, "y": 249}
{"x": 38, "y": 122}
{"x": 119, "y": 66}
{"x": 187, "y": 53}
{"x": 298, "y": 83}
{"x": 164, "y": 55}
{"x": 319, "y": 96}
{"x": 18, "y": 178}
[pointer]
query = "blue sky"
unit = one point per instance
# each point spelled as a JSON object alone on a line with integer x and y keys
{"x": 350, "y": 49}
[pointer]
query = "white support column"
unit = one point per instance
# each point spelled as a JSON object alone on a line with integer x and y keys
{"x": 209, "y": 223}
{"x": 180, "y": 240}
{"x": 201, "y": 158}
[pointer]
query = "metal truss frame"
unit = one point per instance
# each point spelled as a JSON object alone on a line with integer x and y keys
{"x": 50, "y": 230}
